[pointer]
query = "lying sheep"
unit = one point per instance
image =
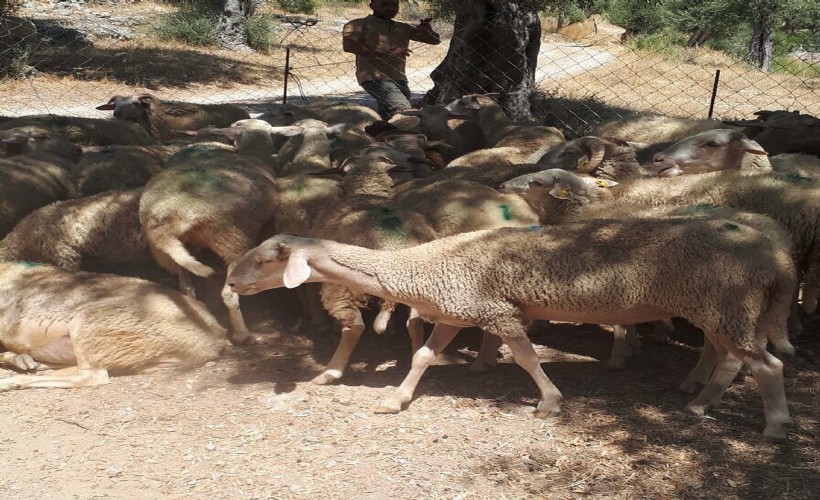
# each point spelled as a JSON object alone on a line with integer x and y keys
{"x": 506, "y": 141}
{"x": 116, "y": 168}
{"x": 162, "y": 119}
{"x": 255, "y": 138}
{"x": 600, "y": 157}
{"x": 710, "y": 151}
{"x": 495, "y": 279}
{"x": 81, "y": 234}
{"x": 651, "y": 129}
{"x": 458, "y": 131}
{"x": 366, "y": 216}
{"x": 222, "y": 205}
{"x": 86, "y": 131}
{"x": 91, "y": 325}
{"x": 32, "y": 174}
{"x": 308, "y": 151}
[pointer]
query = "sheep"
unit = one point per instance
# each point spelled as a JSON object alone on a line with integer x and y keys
{"x": 517, "y": 143}
{"x": 709, "y": 151}
{"x": 116, "y": 168}
{"x": 309, "y": 151}
{"x": 784, "y": 131}
{"x": 86, "y": 131}
{"x": 790, "y": 200}
{"x": 366, "y": 216}
{"x": 96, "y": 324}
{"x": 33, "y": 172}
{"x": 222, "y": 205}
{"x": 494, "y": 279}
{"x": 462, "y": 135}
{"x": 600, "y": 157}
{"x": 255, "y": 138}
{"x": 162, "y": 119}
{"x": 652, "y": 129}
{"x": 81, "y": 234}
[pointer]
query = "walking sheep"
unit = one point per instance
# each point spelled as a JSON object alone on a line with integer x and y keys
{"x": 92, "y": 325}
{"x": 495, "y": 279}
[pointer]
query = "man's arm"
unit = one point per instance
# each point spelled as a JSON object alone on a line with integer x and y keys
{"x": 353, "y": 42}
{"x": 424, "y": 33}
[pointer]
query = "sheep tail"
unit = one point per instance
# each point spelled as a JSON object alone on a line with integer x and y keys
{"x": 175, "y": 249}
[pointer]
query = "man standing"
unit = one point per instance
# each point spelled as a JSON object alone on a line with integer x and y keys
{"x": 381, "y": 46}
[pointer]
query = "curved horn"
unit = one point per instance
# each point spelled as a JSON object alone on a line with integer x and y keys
{"x": 597, "y": 150}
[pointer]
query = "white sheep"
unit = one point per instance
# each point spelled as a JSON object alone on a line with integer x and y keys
{"x": 86, "y": 131}
{"x": 506, "y": 140}
{"x": 366, "y": 216}
{"x": 33, "y": 172}
{"x": 652, "y": 129}
{"x": 116, "y": 168}
{"x": 254, "y": 137}
{"x": 163, "y": 119}
{"x": 91, "y": 325}
{"x": 81, "y": 234}
{"x": 495, "y": 279}
{"x": 709, "y": 151}
{"x": 222, "y": 205}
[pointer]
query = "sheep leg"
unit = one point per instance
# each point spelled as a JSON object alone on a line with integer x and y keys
{"x": 699, "y": 375}
{"x": 24, "y": 362}
{"x": 442, "y": 335}
{"x": 624, "y": 338}
{"x": 768, "y": 372}
{"x": 726, "y": 369}
{"x": 525, "y": 356}
{"x": 381, "y": 320}
{"x": 240, "y": 334}
{"x": 186, "y": 284}
{"x": 487, "y": 357}
{"x": 310, "y": 300}
{"x": 350, "y": 338}
{"x": 64, "y": 378}
{"x": 415, "y": 329}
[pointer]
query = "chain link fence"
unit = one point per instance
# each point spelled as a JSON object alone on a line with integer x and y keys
{"x": 66, "y": 57}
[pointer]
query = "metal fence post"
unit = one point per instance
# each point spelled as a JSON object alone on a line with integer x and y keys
{"x": 287, "y": 74}
{"x": 714, "y": 94}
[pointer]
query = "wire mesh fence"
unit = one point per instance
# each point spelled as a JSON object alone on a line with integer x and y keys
{"x": 66, "y": 57}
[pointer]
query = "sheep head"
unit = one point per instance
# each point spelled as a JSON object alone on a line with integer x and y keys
{"x": 24, "y": 140}
{"x": 709, "y": 151}
{"x": 557, "y": 183}
{"x": 582, "y": 155}
{"x": 278, "y": 261}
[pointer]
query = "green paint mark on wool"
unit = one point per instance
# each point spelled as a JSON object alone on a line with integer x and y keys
{"x": 201, "y": 178}
{"x": 505, "y": 211}
{"x": 30, "y": 264}
{"x": 794, "y": 177}
{"x": 388, "y": 220}
{"x": 731, "y": 227}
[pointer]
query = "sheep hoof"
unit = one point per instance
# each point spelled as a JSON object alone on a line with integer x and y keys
{"x": 325, "y": 378}
{"x": 697, "y": 408}
{"x": 8, "y": 386}
{"x": 547, "y": 409}
{"x": 24, "y": 362}
{"x": 244, "y": 340}
{"x": 386, "y": 409}
{"x": 774, "y": 432}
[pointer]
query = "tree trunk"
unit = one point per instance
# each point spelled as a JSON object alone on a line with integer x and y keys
{"x": 698, "y": 36}
{"x": 231, "y": 23}
{"x": 760, "y": 50}
{"x": 494, "y": 50}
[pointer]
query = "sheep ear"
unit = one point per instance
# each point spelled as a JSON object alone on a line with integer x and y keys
{"x": 297, "y": 270}
{"x": 603, "y": 183}
{"x": 111, "y": 104}
{"x": 752, "y": 147}
{"x": 562, "y": 192}
{"x": 287, "y": 130}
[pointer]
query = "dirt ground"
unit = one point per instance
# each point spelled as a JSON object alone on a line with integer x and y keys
{"x": 251, "y": 425}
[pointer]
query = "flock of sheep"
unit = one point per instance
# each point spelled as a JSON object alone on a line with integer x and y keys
{"x": 456, "y": 212}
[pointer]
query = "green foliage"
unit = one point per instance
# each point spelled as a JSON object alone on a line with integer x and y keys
{"x": 667, "y": 41}
{"x": 195, "y": 24}
{"x": 803, "y": 69}
{"x": 17, "y": 61}
{"x": 444, "y": 10}
{"x": 261, "y": 33}
{"x": 298, "y": 6}
{"x": 638, "y": 16}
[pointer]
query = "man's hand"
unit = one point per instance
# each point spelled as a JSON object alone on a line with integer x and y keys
{"x": 400, "y": 51}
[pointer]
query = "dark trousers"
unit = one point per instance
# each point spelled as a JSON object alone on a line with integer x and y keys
{"x": 391, "y": 96}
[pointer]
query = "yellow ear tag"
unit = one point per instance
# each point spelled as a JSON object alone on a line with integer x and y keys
{"x": 583, "y": 163}
{"x": 601, "y": 183}
{"x": 564, "y": 193}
